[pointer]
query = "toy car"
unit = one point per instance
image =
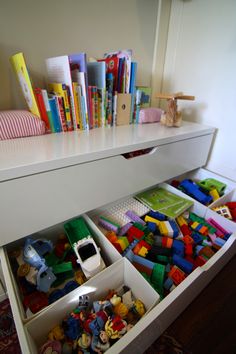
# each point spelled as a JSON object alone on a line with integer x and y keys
{"x": 89, "y": 257}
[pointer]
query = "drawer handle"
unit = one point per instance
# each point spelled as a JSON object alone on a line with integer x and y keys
{"x": 137, "y": 153}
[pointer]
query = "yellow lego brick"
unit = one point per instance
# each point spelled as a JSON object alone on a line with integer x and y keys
{"x": 181, "y": 220}
{"x": 163, "y": 228}
{"x": 214, "y": 193}
{"x": 150, "y": 219}
{"x": 122, "y": 244}
{"x": 143, "y": 251}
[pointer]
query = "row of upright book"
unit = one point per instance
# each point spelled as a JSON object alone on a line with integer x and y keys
{"x": 81, "y": 94}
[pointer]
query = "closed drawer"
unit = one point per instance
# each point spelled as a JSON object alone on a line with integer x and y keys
{"x": 67, "y": 192}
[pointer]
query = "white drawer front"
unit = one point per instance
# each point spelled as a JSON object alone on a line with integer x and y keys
{"x": 36, "y": 202}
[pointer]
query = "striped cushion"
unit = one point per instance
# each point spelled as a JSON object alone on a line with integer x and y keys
{"x": 16, "y": 124}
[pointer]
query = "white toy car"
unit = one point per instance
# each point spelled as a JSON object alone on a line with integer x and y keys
{"x": 89, "y": 257}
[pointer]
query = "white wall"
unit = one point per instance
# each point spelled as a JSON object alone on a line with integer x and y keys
{"x": 201, "y": 61}
{"x": 45, "y": 28}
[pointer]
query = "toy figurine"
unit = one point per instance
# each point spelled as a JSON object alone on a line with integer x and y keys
{"x": 56, "y": 333}
{"x": 115, "y": 327}
{"x": 172, "y": 117}
{"x": 84, "y": 341}
{"x": 100, "y": 343}
{"x": 34, "y": 250}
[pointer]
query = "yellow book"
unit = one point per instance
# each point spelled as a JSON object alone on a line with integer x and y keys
{"x": 60, "y": 89}
{"x": 77, "y": 104}
{"x": 18, "y": 63}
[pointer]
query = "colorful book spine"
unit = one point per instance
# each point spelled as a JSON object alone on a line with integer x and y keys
{"x": 48, "y": 109}
{"x": 42, "y": 109}
{"x": 137, "y": 104}
{"x": 114, "y": 109}
{"x": 94, "y": 94}
{"x": 91, "y": 117}
{"x": 76, "y": 103}
{"x": 81, "y": 106}
{"x": 55, "y": 114}
{"x": 109, "y": 89}
{"x": 61, "y": 110}
{"x": 132, "y": 91}
{"x": 71, "y": 107}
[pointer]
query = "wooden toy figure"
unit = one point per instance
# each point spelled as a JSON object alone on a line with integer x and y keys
{"x": 172, "y": 117}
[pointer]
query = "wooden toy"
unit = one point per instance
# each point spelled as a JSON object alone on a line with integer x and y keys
{"x": 172, "y": 117}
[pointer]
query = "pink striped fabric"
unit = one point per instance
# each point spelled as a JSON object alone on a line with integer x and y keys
{"x": 16, "y": 124}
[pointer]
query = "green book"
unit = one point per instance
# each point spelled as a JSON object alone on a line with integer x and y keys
{"x": 167, "y": 203}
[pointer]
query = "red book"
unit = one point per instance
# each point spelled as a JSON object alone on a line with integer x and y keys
{"x": 42, "y": 109}
{"x": 112, "y": 66}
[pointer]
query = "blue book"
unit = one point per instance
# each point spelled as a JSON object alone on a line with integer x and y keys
{"x": 120, "y": 76}
{"x": 132, "y": 88}
{"x": 133, "y": 77}
{"x": 55, "y": 114}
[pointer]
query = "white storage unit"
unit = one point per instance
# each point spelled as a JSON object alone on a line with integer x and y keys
{"x": 47, "y": 180}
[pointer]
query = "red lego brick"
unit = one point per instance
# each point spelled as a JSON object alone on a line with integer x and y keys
{"x": 135, "y": 232}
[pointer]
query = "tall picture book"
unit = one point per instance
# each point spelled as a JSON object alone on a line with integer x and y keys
{"x": 167, "y": 203}
{"x": 19, "y": 65}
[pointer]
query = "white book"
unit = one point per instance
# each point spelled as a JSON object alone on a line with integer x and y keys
{"x": 58, "y": 70}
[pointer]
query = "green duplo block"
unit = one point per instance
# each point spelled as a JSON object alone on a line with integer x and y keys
{"x": 139, "y": 226}
{"x": 158, "y": 274}
{"x": 162, "y": 259}
{"x": 62, "y": 267}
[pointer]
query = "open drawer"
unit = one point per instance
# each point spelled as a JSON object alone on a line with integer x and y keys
{"x": 177, "y": 300}
{"x": 64, "y": 193}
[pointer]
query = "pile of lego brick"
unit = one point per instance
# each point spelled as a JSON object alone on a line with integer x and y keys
{"x": 166, "y": 250}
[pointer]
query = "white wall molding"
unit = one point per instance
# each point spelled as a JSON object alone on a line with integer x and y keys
{"x": 161, "y": 36}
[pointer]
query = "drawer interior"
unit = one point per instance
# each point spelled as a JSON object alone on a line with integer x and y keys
{"x": 115, "y": 277}
{"x": 53, "y": 235}
{"x": 202, "y": 174}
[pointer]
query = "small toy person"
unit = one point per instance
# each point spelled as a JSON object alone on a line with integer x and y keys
{"x": 84, "y": 342}
{"x": 100, "y": 343}
{"x": 115, "y": 327}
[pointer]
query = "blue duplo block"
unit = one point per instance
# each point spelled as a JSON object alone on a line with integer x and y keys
{"x": 182, "y": 263}
{"x": 178, "y": 248}
{"x": 226, "y": 237}
{"x": 152, "y": 226}
{"x": 197, "y": 237}
{"x": 168, "y": 283}
{"x": 219, "y": 241}
{"x": 129, "y": 255}
{"x": 167, "y": 270}
{"x": 174, "y": 228}
{"x": 157, "y": 215}
{"x": 143, "y": 261}
{"x": 198, "y": 248}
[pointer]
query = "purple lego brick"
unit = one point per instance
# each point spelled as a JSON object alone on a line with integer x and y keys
{"x": 107, "y": 225}
{"x": 124, "y": 229}
{"x": 134, "y": 217}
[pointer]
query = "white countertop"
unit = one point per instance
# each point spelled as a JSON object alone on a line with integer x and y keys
{"x": 26, "y": 156}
